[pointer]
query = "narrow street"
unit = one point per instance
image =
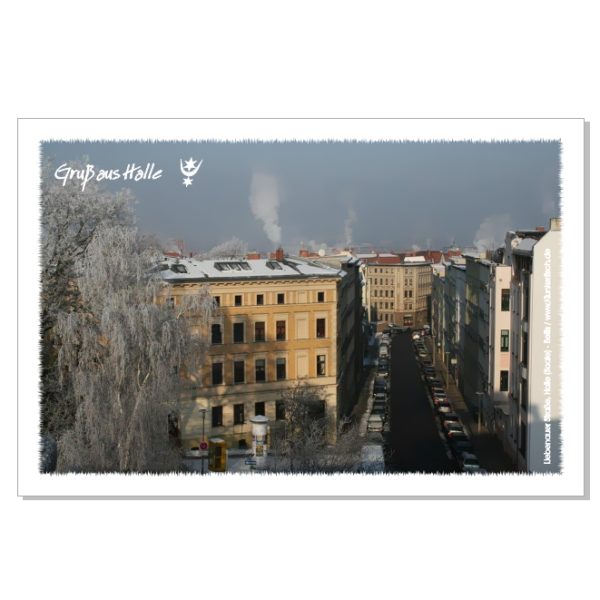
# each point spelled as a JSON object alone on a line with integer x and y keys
{"x": 413, "y": 442}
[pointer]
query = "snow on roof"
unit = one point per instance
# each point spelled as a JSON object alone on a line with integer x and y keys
{"x": 525, "y": 246}
{"x": 414, "y": 259}
{"x": 186, "y": 269}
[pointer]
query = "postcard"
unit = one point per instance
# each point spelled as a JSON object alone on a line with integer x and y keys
{"x": 382, "y": 308}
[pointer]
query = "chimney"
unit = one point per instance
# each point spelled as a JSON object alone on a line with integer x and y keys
{"x": 253, "y": 256}
{"x": 279, "y": 255}
{"x": 555, "y": 224}
{"x": 540, "y": 229}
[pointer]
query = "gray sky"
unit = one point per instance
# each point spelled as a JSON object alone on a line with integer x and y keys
{"x": 391, "y": 195}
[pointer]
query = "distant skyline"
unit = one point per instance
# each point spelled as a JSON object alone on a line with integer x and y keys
{"x": 391, "y": 195}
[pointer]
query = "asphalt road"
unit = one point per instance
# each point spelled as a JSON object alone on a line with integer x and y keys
{"x": 413, "y": 442}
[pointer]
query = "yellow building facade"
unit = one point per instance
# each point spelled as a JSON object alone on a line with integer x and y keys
{"x": 275, "y": 325}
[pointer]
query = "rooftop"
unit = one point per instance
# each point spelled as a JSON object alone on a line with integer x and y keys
{"x": 525, "y": 246}
{"x": 176, "y": 270}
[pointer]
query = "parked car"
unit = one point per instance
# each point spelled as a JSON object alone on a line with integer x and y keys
{"x": 383, "y": 371}
{"x": 440, "y": 397}
{"x": 449, "y": 417}
{"x": 458, "y": 435}
{"x": 468, "y": 462}
{"x": 443, "y": 407}
{"x": 375, "y": 423}
{"x": 460, "y": 443}
{"x": 378, "y": 409}
{"x": 452, "y": 426}
{"x": 380, "y": 397}
{"x": 416, "y": 336}
{"x": 380, "y": 386}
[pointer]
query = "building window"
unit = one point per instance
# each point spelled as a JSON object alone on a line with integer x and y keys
{"x": 391, "y": 306}
{"x": 320, "y": 328}
{"x": 280, "y": 329}
{"x": 259, "y": 331}
{"x": 279, "y": 410}
{"x": 217, "y": 373}
{"x": 505, "y": 299}
{"x": 391, "y": 293}
{"x": 280, "y": 298}
{"x": 321, "y": 366}
{"x": 238, "y": 333}
{"x": 171, "y": 302}
{"x": 280, "y": 368}
{"x": 504, "y": 336}
{"x": 238, "y": 300}
{"x": 260, "y": 299}
{"x": 260, "y": 370}
{"x": 216, "y": 334}
{"x": 504, "y": 381}
{"x": 217, "y": 300}
{"x": 259, "y": 409}
{"x": 238, "y": 414}
{"x": 239, "y": 375}
{"x": 320, "y": 296}
{"x": 217, "y": 416}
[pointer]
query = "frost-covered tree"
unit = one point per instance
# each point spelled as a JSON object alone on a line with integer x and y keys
{"x": 70, "y": 219}
{"x": 299, "y": 443}
{"x": 114, "y": 352}
{"x": 121, "y": 357}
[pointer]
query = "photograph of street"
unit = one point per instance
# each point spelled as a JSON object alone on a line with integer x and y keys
{"x": 300, "y": 307}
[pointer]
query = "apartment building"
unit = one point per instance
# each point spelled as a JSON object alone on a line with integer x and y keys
{"x": 486, "y": 364}
{"x": 535, "y": 377}
{"x": 399, "y": 290}
{"x": 453, "y": 342}
{"x": 279, "y": 321}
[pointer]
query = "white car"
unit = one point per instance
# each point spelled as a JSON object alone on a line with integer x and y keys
{"x": 375, "y": 423}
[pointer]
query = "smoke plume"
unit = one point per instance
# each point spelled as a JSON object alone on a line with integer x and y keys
{"x": 491, "y": 232}
{"x": 264, "y": 202}
{"x": 350, "y": 220}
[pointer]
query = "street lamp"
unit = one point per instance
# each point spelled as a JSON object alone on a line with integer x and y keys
{"x": 203, "y": 413}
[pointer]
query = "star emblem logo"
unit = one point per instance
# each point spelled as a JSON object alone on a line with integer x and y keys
{"x": 189, "y": 168}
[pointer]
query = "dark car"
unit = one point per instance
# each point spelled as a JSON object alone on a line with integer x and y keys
{"x": 379, "y": 386}
{"x": 452, "y": 426}
{"x": 379, "y": 410}
{"x": 460, "y": 443}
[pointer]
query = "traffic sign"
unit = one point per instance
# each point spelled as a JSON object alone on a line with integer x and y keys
{"x": 203, "y": 445}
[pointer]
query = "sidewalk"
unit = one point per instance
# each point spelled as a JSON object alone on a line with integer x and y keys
{"x": 488, "y": 447}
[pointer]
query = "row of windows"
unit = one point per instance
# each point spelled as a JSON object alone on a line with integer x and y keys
{"x": 386, "y": 305}
{"x": 239, "y": 416}
{"x": 260, "y": 299}
{"x": 388, "y": 270}
{"x": 260, "y": 370}
{"x": 384, "y": 293}
{"x": 260, "y": 333}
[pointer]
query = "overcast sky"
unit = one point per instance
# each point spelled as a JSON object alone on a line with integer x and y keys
{"x": 391, "y": 195}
